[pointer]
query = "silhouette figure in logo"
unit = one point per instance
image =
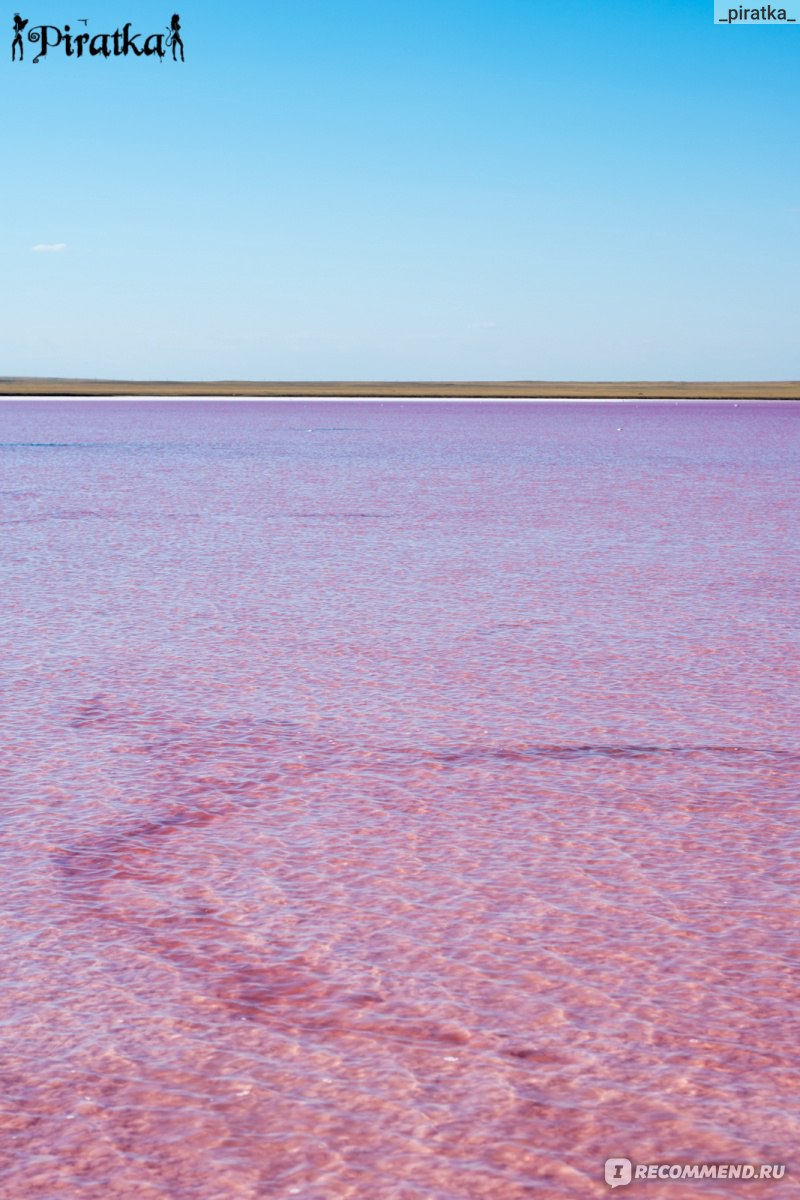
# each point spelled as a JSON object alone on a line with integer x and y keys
{"x": 19, "y": 25}
{"x": 174, "y": 38}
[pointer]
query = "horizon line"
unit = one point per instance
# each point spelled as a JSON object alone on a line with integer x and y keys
{"x": 409, "y": 389}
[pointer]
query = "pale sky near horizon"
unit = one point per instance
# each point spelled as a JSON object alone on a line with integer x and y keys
{"x": 382, "y": 190}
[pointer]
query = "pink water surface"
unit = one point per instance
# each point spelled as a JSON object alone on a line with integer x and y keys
{"x": 398, "y": 800}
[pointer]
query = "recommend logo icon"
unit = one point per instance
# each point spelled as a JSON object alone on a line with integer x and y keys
{"x": 618, "y": 1171}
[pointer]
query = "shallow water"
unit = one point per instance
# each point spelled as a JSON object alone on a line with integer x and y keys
{"x": 398, "y": 800}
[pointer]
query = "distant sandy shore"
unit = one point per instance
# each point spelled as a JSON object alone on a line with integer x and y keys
{"x": 513, "y": 390}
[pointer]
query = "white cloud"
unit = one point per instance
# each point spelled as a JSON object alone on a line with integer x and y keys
{"x": 53, "y": 248}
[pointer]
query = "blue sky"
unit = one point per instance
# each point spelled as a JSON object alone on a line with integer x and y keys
{"x": 375, "y": 189}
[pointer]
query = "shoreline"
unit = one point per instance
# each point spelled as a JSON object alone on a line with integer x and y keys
{"x": 510, "y": 390}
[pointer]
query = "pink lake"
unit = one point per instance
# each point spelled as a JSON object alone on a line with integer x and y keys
{"x": 398, "y": 799}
